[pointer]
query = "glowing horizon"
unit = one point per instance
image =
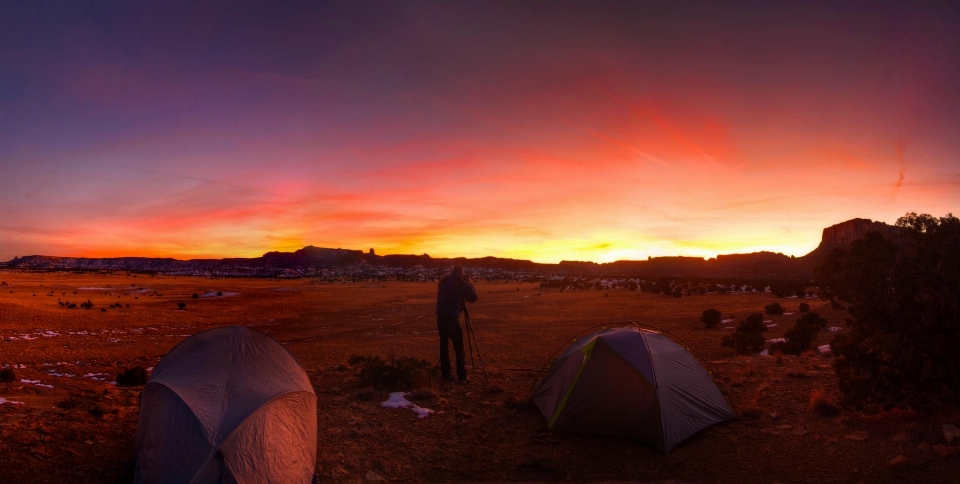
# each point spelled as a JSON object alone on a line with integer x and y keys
{"x": 594, "y": 131}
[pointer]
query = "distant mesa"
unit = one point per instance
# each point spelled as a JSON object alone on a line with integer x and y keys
{"x": 309, "y": 259}
{"x": 846, "y": 233}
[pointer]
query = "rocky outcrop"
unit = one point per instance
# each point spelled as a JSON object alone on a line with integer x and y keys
{"x": 852, "y": 230}
{"x": 841, "y": 234}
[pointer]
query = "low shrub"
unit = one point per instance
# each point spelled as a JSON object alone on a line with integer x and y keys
{"x": 402, "y": 372}
{"x": 748, "y": 336}
{"x": 8, "y": 375}
{"x": 366, "y": 394}
{"x": 751, "y": 412}
{"x": 132, "y": 377}
{"x": 710, "y": 318}
{"x": 774, "y": 309}
{"x": 820, "y": 403}
{"x": 422, "y": 395}
{"x": 804, "y": 307}
{"x": 803, "y": 333}
{"x": 96, "y": 410}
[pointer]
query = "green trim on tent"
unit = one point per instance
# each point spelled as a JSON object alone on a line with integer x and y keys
{"x": 587, "y": 351}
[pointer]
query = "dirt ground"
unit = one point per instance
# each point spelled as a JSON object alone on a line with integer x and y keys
{"x": 64, "y": 421}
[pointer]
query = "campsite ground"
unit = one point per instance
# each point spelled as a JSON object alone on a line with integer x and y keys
{"x": 67, "y": 423}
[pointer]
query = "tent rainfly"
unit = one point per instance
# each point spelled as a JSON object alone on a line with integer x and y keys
{"x": 228, "y": 405}
{"x": 631, "y": 383}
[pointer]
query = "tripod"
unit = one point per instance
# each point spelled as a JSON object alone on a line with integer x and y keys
{"x": 472, "y": 341}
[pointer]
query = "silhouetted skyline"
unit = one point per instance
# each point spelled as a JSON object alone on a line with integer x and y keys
{"x": 532, "y": 130}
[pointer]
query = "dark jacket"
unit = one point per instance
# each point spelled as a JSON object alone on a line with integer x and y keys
{"x": 451, "y": 292}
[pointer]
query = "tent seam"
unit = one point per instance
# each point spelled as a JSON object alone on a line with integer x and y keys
{"x": 573, "y": 384}
{"x": 656, "y": 389}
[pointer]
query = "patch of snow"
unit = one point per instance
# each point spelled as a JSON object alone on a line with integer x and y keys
{"x": 792, "y": 297}
{"x": 61, "y": 375}
{"x": 9, "y": 402}
{"x": 726, "y": 320}
{"x": 35, "y": 383}
{"x": 771, "y": 325}
{"x": 93, "y": 288}
{"x": 765, "y": 353}
{"x": 835, "y": 328}
{"x": 27, "y": 337}
{"x": 788, "y": 314}
{"x": 777, "y": 340}
{"x": 212, "y": 293}
{"x": 824, "y": 349}
{"x": 396, "y": 400}
{"x": 767, "y": 321}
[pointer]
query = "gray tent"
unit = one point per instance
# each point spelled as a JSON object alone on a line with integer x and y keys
{"x": 227, "y": 405}
{"x": 632, "y": 383}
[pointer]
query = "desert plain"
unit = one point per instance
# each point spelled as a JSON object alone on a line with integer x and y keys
{"x": 64, "y": 420}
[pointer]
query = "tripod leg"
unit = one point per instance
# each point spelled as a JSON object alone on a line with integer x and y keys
{"x": 473, "y": 335}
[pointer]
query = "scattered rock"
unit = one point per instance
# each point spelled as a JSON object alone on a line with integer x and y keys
{"x": 900, "y": 438}
{"x": 373, "y": 477}
{"x": 722, "y": 430}
{"x": 785, "y": 426}
{"x": 858, "y": 436}
{"x": 924, "y": 447}
{"x": 950, "y": 432}
{"x": 800, "y": 431}
{"x": 898, "y": 461}
{"x": 464, "y": 414}
{"x": 775, "y": 416}
{"x": 944, "y": 451}
{"x": 770, "y": 431}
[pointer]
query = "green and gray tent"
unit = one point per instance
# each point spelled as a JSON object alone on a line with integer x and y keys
{"x": 632, "y": 383}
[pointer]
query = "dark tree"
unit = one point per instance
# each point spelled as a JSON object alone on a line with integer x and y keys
{"x": 710, "y": 318}
{"x": 804, "y": 307}
{"x": 181, "y": 305}
{"x": 803, "y": 333}
{"x": 749, "y": 335}
{"x": 903, "y": 296}
{"x": 774, "y": 308}
{"x": 195, "y": 295}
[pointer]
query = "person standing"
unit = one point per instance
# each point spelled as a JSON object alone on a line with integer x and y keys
{"x": 453, "y": 292}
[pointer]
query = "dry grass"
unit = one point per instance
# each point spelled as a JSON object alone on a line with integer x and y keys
{"x": 820, "y": 403}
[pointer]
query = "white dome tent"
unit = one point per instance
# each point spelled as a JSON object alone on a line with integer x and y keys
{"x": 633, "y": 383}
{"x": 227, "y": 405}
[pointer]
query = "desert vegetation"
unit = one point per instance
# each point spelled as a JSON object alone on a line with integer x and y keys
{"x": 902, "y": 296}
{"x": 748, "y": 336}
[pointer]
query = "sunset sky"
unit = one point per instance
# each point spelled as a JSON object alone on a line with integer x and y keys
{"x": 534, "y": 130}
